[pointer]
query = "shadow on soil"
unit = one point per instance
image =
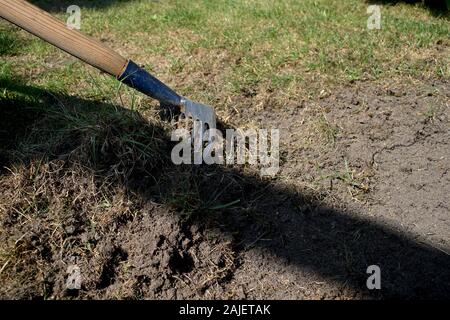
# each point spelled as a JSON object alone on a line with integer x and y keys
{"x": 295, "y": 227}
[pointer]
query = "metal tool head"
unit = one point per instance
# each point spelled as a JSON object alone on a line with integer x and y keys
{"x": 200, "y": 112}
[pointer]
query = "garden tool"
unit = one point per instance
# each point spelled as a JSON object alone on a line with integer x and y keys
{"x": 95, "y": 53}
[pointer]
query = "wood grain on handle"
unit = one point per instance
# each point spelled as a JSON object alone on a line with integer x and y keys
{"x": 54, "y": 31}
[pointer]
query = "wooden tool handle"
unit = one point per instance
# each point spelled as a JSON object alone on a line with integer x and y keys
{"x": 54, "y": 31}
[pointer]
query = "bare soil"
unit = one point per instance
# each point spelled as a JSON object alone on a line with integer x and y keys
{"x": 364, "y": 180}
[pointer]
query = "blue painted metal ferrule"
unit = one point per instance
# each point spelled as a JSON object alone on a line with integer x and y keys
{"x": 139, "y": 79}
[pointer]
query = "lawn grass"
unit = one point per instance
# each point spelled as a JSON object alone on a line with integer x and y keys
{"x": 229, "y": 54}
{"x": 213, "y": 50}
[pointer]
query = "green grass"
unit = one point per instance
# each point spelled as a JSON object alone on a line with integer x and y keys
{"x": 295, "y": 48}
{"x": 327, "y": 130}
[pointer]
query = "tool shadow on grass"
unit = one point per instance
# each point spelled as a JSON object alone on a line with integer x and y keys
{"x": 295, "y": 227}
